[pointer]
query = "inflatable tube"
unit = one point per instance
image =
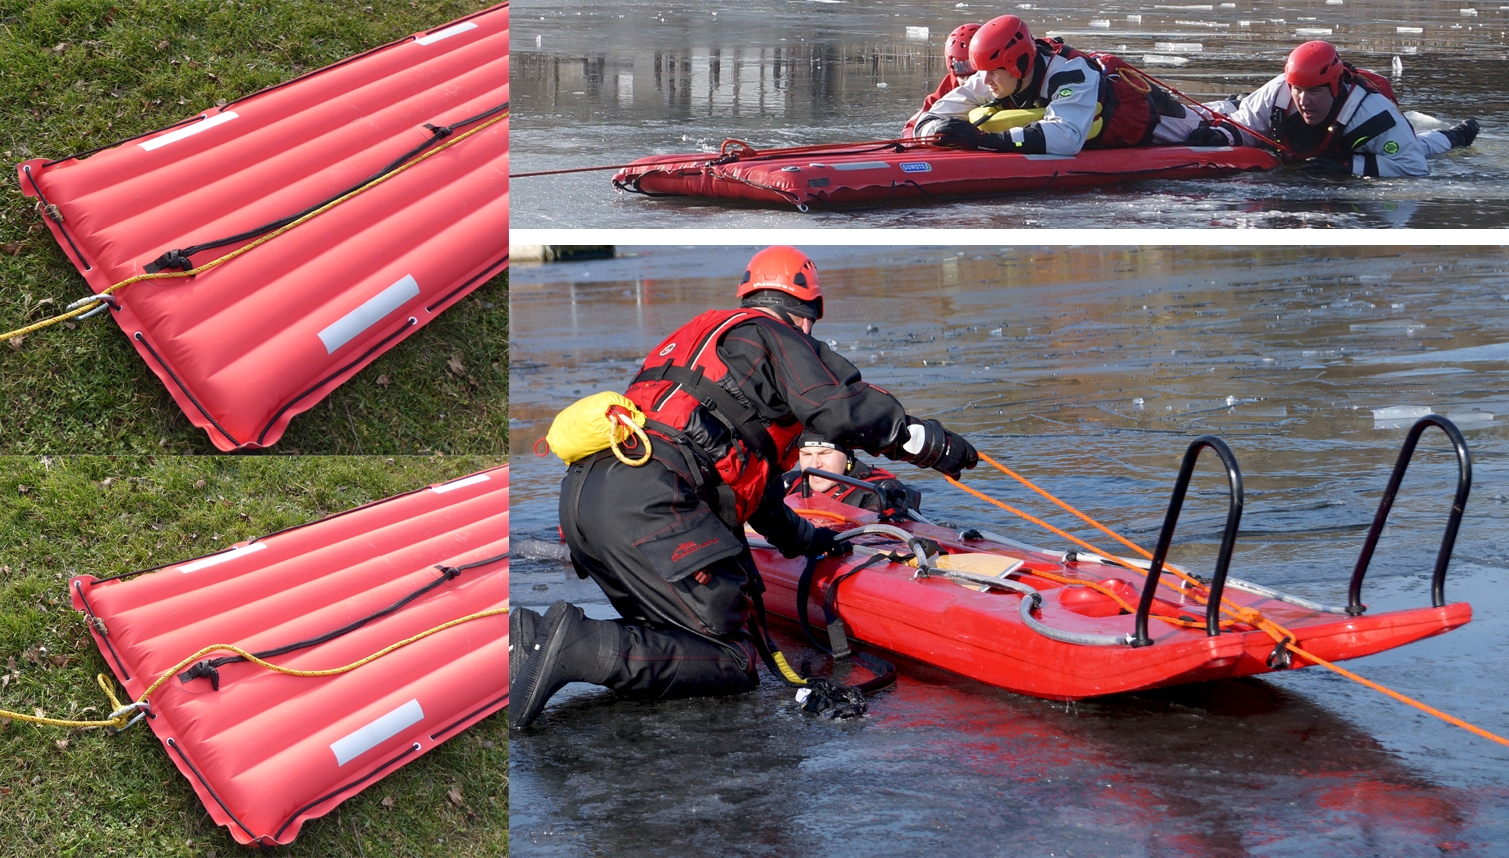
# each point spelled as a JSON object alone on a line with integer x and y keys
{"x": 866, "y": 174}
{"x": 245, "y": 346}
{"x": 267, "y": 751}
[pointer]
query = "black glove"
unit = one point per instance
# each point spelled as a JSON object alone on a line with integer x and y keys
{"x": 825, "y": 541}
{"x": 1327, "y": 165}
{"x": 995, "y": 141}
{"x": 942, "y": 450}
{"x": 1206, "y": 135}
{"x": 957, "y": 132}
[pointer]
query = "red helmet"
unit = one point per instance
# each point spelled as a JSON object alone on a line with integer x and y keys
{"x": 1003, "y": 43}
{"x": 1315, "y": 64}
{"x": 957, "y": 49}
{"x": 778, "y": 274}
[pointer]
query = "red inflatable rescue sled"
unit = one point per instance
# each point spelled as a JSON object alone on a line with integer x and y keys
{"x": 266, "y": 751}
{"x": 421, "y": 124}
{"x": 865, "y": 174}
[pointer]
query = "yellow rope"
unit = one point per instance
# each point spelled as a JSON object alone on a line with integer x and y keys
{"x": 629, "y": 429}
{"x": 120, "y": 718}
{"x": 162, "y": 275}
{"x": 1241, "y": 613}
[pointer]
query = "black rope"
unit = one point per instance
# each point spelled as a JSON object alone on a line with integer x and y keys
{"x": 208, "y": 669}
{"x": 179, "y": 259}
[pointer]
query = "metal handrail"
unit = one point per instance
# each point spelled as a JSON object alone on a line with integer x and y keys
{"x": 1166, "y": 536}
{"x": 1443, "y": 557}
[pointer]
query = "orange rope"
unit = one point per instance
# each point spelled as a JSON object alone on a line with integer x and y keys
{"x": 1242, "y": 614}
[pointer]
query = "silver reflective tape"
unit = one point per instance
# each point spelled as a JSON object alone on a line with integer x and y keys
{"x": 217, "y": 559}
{"x": 368, "y": 314}
{"x": 349, "y": 747}
{"x": 460, "y": 484}
{"x": 863, "y": 165}
{"x": 446, "y": 33}
{"x": 187, "y": 131}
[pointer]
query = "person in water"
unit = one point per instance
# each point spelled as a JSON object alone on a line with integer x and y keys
{"x": 1337, "y": 120}
{"x": 883, "y": 493}
{"x": 1088, "y": 100}
{"x": 726, "y": 397}
{"x": 956, "y": 57}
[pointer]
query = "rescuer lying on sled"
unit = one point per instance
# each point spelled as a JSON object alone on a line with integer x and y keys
{"x": 956, "y": 59}
{"x": 725, "y": 399}
{"x": 882, "y": 493}
{"x": 1087, "y": 100}
{"x": 1338, "y": 119}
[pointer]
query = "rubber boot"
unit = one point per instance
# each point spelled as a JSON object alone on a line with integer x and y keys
{"x": 567, "y": 647}
{"x": 1462, "y": 134}
{"x": 522, "y": 624}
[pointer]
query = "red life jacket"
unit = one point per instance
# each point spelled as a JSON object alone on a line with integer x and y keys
{"x": 679, "y": 386}
{"x": 1127, "y": 111}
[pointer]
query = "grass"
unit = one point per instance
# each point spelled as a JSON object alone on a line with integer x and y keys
{"x": 67, "y": 792}
{"x": 77, "y": 74}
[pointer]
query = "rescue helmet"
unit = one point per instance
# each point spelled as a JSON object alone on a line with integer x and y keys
{"x": 956, "y": 50}
{"x": 1003, "y": 43}
{"x": 783, "y": 277}
{"x": 1315, "y": 64}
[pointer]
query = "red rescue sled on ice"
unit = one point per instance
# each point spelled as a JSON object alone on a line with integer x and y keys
{"x": 864, "y": 174}
{"x": 1068, "y": 626}
{"x": 267, "y": 751}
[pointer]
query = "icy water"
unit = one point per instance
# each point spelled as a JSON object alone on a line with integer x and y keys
{"x": 1090, "y": 370}
{"x": 605, "y": 83}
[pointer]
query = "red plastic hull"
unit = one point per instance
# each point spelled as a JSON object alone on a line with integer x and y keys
{"x": 982, "y": 635}
{"x": 268, "y": 751}
{"x": 246, "y": 346}
{"x": 845, "y": 175}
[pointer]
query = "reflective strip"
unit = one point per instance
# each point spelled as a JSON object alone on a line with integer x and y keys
{"x": 364, "y": 739}
{"x": 187, "y": 131}
{"x": 459, "y": 484}
{"x": 446, "y": 33}
{"x": 863, "y": 165}
{"x": 217, "y": 559}
{"x": 369, "y": 313}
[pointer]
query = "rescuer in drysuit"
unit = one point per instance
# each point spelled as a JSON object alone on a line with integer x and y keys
{"x": 1089, "y": 101}
{"x": 956, "y": 57}
{"x": 726, "y": 397}
{"x": 884, "y": 493}
{"x": 1338, "y": 119}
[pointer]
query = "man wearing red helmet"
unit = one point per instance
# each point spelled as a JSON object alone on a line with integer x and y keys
{"x": 1015, "y": 71}
{"x": 956, "y": 57}
{"x": 726, "y": 397}
{"x": 1337, "y": 119}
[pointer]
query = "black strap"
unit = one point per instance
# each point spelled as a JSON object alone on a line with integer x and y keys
{"x": 207, "y": 669}
{"x": 179, "y": 259}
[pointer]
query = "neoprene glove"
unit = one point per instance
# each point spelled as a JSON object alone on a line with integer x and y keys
{"x": 957, "y": 132}
{"x": 1206, "y": 135}
{"x": 929, "y": 445}
{"x": 1327, "y": 166}
{"x": 995, "y": 141}
{"x": 825, "y": 541}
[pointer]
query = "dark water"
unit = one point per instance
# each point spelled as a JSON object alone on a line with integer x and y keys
{"x": 1089, "y": 370}
{"x": 604, "y": 84}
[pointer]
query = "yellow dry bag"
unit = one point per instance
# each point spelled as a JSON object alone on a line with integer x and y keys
{"x": 597, "y": 422}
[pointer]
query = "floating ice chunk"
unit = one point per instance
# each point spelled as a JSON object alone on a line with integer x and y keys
{"x": 1398, "y": 66}
{"x": 882, "y": 85}
{"x": 997, "y": 332}
{"x": 1335, "y": 2}
{"x": 1409, "y": 29}
{"x": 916, "y": 33}
{"x": 1401, "y": 412}
{"x": 1244, "y": 23}
{"x": 1198, "y": 8}
{"x": 1134, "y": 19}
{"x": 1137, "y": 402}
{"x": 1313, "y": 31}
{"x": 1212, "y": 24}
{"x": 1470, "y": 12}
{"x": 1228, "y": 5}
{"x": 1157, "y": 60}
{"x": 537, "y": 40}
{"x": 1100, "y": 24}
{"x": 1178, "y": 47}
{"x": 1463, "y": 418}
{"x": 1231, "y": 400}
